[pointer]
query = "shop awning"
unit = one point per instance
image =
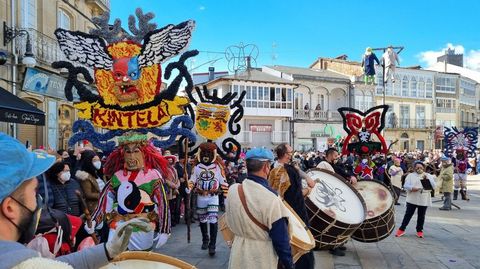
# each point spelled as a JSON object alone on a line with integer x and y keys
{"x": 14, "y": 109}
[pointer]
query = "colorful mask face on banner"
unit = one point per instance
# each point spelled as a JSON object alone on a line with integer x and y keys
{"x": 211, "y": 120}
{"x": 127, "y": 73}
{"x": 462, "y": 142}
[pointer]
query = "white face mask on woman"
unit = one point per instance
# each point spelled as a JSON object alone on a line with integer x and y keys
{"x": 97, "y": 164}
{"x": 65, "y": 176}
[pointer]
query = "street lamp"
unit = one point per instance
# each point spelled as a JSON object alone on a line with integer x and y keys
{"x": 10, "y": 33}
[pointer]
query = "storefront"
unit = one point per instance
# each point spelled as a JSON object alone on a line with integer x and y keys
{"x": 60, "y": 112}
{"x": 27, "y": 116}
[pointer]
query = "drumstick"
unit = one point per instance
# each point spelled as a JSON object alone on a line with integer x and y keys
{"x": 88, "y": 217}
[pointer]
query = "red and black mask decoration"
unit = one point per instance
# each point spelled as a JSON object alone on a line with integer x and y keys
{"x": 361, "y": 127}
{"x": 207, "y": 153}
{"x": 462, "y": 142}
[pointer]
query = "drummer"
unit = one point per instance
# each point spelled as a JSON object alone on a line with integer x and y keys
{"x": 20, "y": 212}
{"x": 330, "y": 163}
{"x": 286, "y": 179}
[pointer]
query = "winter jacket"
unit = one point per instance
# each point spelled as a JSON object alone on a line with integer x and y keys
{"x": 91, "y": 190}
{"x": 446, "y": 176}
{"x": 64, "y": 197}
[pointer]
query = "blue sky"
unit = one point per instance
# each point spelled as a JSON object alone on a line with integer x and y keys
{"x": 297, "y": 32}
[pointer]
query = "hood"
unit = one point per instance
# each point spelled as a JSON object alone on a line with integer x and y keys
{"x": 81, "y": 175}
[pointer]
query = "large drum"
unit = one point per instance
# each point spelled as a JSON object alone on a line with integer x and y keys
{"x": 146, "y": 260}
{"x": 301, "y": 239}
{"x": 380, "y": 220}
{"x": 335, "y": 209}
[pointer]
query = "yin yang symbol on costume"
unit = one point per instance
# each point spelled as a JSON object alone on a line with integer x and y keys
{"x": 207, "y": 180}
{"x": 329, "y": 197}
{"x": 130, "y": 198}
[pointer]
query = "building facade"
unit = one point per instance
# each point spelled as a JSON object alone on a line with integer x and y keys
{"x": 316, "y": 99}
{"x": 411, "y": 117}
{"x": 268, "y": 106}
{"x": 41, "y": 85}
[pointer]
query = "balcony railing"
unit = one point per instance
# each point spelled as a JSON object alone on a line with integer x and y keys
{"x": 445, "y": 110}
{"x": 469, "y": 124}
{"x": 320, "y": 115}
{"x": 411, "y": 124}
{"x": 244, "y": 137}
{"x": 280, "y": 137}
{"x": 101, "y": 4}
{"x": 45, "y": 48}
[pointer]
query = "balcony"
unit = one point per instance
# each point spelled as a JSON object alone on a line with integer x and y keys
{"x": 280, "y": 137}
{"x": 411, "y": 124}
{"x": 99, "y": 5}
{"x": 469, "y": 124}
{"x": 45, "y": 48}
{"x": 445, "y": 110}
{"x": 316, "y": 115}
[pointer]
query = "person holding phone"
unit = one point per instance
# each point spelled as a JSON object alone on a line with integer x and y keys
{"x": 418, "y": 197}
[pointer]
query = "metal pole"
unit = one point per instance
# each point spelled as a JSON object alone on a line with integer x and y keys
{"x": 15, "y": 60}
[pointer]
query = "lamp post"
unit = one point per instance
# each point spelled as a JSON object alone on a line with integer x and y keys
{"x": 9, "y": 35}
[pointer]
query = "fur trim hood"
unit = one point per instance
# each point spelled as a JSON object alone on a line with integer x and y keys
{"x": 81, "y": 175}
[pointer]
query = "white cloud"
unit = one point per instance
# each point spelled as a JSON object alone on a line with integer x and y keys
{"x": 471, "y": 58}
{"x": 201, "y": 8}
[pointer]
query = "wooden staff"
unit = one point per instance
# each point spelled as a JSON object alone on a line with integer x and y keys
{"x": 187, "y": 206}
{"x": 88, "y": 217}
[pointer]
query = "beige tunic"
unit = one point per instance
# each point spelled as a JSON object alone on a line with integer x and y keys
{"x": 252, "y": 246}
{"x": 325, "y": 165}
{"x": 421, "y": 198}
{"x": 396, "y": 173}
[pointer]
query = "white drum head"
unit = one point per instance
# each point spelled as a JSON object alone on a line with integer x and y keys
{"x": 146, "y": 260}
{"x": 334, "y": 197}
{"x": 298, "y": 229}
{"x": 377, "y": 197}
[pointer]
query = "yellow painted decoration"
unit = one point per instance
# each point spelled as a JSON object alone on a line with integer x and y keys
{"x": 113, "y": 119}
{"x": 124, "y": 49}
{"x": 211, "y": 120}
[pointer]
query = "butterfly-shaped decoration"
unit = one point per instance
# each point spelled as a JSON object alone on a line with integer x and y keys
{"x": 362, "y": 126}
{"x": 461, "y": 140}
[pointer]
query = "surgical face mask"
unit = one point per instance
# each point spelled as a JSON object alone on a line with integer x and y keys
{"x": 97, "y": 164}
{"x": 65, "y": 176}
{"x": 364, "y": 161}
{"x": 28, "y": 225}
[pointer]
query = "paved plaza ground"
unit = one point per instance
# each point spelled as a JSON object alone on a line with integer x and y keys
{"x": 452, "y": 240}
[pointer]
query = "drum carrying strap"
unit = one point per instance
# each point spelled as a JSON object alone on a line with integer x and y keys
{"x": 244, "y": 203}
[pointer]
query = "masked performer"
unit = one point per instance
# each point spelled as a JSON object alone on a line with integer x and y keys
{"x": 459, "y": 145}
{"x": 136, "y": 189}
{"x": 207, "y": 178}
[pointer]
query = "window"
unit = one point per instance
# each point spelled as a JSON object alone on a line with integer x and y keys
{"x": 64, "y": 21}
{"x": 391, "y": 118}
{"x": 29, "y": 14}
{"x": 421, "y": 88}
{"x": 445, "y": 85}
{"x": 421, "y": 145}
{"x": 254, "y": 96}
{"x": 359, "y": 100}
{"x": 397, "y": 86}
{"x": 260, "y": 97}
{"x": 404, "y": 116}
{"x": 298, "y": 100}
{"x": 429, "y": 89}
{"x": 289, "y": 98}
{"x": 413, "y": 87}
{"x": 405, "y": 86}
{"x": 420, "y": 116}
{"x": 320, "y": 102}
